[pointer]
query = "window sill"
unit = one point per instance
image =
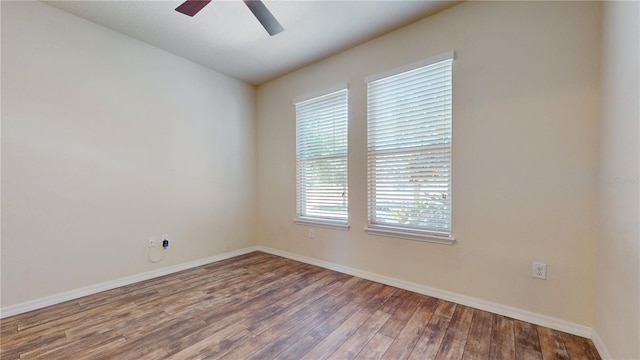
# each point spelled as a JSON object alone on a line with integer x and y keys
{"x": 323, "y": 223}
{"x": 410, "y": 235}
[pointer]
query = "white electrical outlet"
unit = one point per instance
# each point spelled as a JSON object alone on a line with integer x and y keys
{"x": 165, "y": 237}
{"x": 312, "y": 235}
{"x": 539, "y": 270}
{"x": 152, "y": 241}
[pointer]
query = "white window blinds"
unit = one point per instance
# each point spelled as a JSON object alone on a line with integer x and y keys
{"x": 409, "y": 150}
{"x": 321, "y": 158}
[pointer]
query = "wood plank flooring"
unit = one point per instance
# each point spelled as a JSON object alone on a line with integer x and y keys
{"x": 260, "y": 306}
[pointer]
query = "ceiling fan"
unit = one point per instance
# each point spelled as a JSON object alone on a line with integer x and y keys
{"x": 259, "y": 10}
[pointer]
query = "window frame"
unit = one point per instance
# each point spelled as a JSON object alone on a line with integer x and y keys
{"x": 319, "y": 221}
{"x": 397, "y": 230}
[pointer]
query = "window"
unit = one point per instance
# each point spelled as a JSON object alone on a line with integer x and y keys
{"x": 409, "y": 152}
{"x": 321, "y": 160}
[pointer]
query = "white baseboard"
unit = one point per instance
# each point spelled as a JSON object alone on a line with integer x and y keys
{"x": 599, "y": 344}
{"x": 524, "y": 315}
{"x": 108, "y": 285}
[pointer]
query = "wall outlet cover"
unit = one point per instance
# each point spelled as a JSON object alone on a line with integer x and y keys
{"x": 539, "y": 270}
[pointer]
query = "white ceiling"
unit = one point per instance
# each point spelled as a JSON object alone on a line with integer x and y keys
{"x": 226, "y": 37}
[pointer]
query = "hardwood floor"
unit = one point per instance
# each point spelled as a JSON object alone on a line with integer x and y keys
{"x": 260, "y": 306}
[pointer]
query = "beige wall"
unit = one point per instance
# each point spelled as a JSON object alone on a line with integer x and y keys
{"x": 525, "y": 130}
{"x": 618, "y": 261}
{"x": 106, "y": 141}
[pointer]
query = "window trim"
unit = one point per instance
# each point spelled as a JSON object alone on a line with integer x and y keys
{"x": 401, "y": 69}
{"x": 403, "y": 233}
{"x": 408, "y": 233}
{"x": 317, "y": 94}
{"x": 323, "y": 223}
{"x": 318, "y": 221}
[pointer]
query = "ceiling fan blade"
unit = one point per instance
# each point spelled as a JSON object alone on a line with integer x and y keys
{"x": 191, "y": 7}
{"x": 265, "y": 17}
